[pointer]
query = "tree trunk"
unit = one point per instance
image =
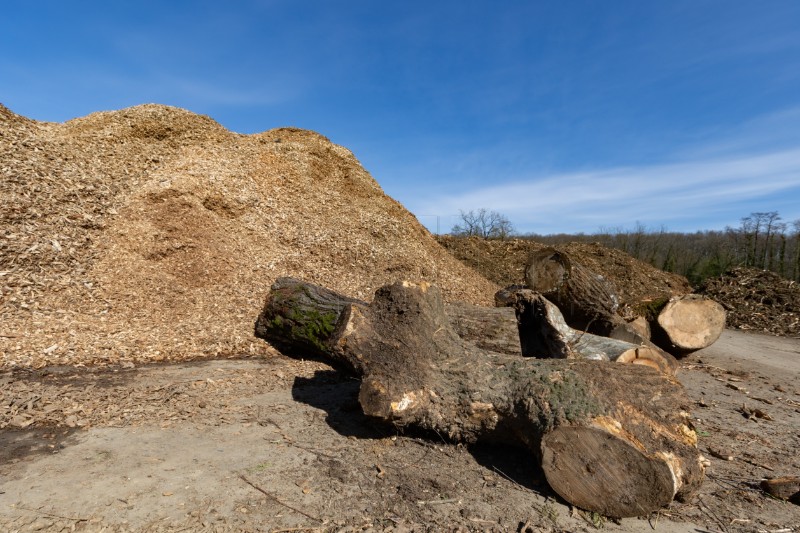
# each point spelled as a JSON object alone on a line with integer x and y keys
{"x": 588, "y": 301}
{"x": 613, "y": 439}
{"x": 544, "y": 333}
{"x": 489, "y": 328}
{"x": 688, "y": 323}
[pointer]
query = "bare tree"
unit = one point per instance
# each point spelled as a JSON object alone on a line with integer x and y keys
{"x": 483, "y": 223}
{"x": 771, "y": 220}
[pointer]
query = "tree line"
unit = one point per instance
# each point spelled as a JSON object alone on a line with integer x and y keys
{"x": 762, "y": 240}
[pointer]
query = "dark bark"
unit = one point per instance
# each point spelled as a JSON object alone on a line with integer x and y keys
{"x": 544, "y": 333}
{"x": 784, "y": 488}
{"x": 613, "y": 439}
{"x": 588, "y": 301}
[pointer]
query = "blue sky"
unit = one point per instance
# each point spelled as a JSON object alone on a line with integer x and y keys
{"x": 566, "y": 116}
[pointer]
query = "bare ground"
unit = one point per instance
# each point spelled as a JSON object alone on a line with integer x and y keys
{"x": 279, "y": 444}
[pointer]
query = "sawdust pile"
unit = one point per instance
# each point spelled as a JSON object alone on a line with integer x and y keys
{"x": 757, "y": 300}
{"x": 153, "y": 233}
{"x": 503, "y": 261}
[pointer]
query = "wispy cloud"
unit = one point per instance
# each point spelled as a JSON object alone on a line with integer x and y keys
{"x": 678, "y": 194}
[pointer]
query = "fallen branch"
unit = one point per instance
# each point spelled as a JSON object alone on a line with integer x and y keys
{"x": 276, "y": 500}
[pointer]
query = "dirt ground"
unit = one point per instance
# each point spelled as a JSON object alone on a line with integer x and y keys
{"x": 276, "y": 444}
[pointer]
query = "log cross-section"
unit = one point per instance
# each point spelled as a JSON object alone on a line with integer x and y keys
{"x": 614, "y": 439}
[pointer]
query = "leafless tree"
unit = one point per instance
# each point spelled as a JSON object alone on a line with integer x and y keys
{"x": 483, "y": 223}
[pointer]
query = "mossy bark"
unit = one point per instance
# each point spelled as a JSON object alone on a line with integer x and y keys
{"x": 417, "y": 371}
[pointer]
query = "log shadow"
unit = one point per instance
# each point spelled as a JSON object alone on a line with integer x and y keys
{"x": 513, "y": 463}
{"x": 336, "y": 393}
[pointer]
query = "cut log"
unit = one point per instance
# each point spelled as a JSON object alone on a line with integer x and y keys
{"x": 614, "y": 439}
{"x": 301, "y": 316}
{"x": 588, "y": 301}
{"x": 784, "y": 488}
{"x": 638, "y": 325}
{"x": 507, "y": 297}
{"x": 489, "y": 328}
{"x": 688, "y": 323}
{"x": 544, "y": 333}
{"x": 316, "y": 310}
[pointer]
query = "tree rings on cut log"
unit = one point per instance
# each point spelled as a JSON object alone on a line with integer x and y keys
{"x": 593, "y": 468}
{"x": 689, "y": 323}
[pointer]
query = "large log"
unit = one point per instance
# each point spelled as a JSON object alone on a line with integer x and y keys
{"x": 588, "y": 301}
{"x": 490, "y": 328}
{"x": 533, "y": 328}
{"x": 544, "y": 333}
{"x": 614, "y": 439}
{"x": 685, "y": 324}
{"x": 301, "y": 313}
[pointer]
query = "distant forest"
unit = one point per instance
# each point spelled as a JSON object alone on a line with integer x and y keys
{"x": 763, "y": 240}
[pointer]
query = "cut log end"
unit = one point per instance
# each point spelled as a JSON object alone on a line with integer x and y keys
{"x": 652, "y": 357}
{"x": 602, "y": 472}
{"x": 690, "y": 323}
{"x": 547, "y": 270}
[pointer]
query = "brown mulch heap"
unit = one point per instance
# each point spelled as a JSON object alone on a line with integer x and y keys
{"x": 503, "y": 261}
{"x": 152, "y": 233}
{"x": 757, "y": 300}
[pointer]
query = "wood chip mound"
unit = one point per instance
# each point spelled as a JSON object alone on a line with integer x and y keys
{"x": 153, "y": 234}
{"x": 503, "y": 261}
{"x": 757, "y": 300}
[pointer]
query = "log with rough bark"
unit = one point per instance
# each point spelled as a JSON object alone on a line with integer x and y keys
{"x": 685, "y": 324}
{"x": 588, "y": 301}
{"x": 490, "y": 328}
{"x": 614, "y": 439}
{"x": 493, "y": 329}
{"x": 544, "y": 333}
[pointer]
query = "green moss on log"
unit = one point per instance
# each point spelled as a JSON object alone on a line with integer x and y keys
{"x": 554, "y": 397}
{"x": 651, "y": 309}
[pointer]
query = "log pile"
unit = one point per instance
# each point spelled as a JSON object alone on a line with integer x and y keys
{"x": 610, "y": 438}
{"x": 678, "y": 325}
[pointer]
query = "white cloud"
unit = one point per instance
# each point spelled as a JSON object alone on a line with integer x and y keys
{"x": 677, "y": 193}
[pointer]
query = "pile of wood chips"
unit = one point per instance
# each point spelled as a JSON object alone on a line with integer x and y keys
{"x": 154, "y": 234}
{"x": 757, "y": 300}
{"x": 503, "y": 261}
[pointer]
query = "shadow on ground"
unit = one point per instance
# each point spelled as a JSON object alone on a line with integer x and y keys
{"x": 336, "y": 394}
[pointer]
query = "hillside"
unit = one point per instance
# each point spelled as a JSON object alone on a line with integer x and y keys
{"x": 152, "y": 233}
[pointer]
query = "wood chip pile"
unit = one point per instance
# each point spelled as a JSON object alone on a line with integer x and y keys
{"x": 503, "y": 261}
{"x": 757, "y": 300}
{"x": 153, "y": 233}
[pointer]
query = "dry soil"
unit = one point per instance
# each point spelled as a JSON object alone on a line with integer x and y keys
{"x": 274, "y": 443}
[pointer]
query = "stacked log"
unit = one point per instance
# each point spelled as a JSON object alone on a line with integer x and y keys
{"x": 544, "y": 333}
{"x": 589, "y": 302}
{"x": 614, "y": 439}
